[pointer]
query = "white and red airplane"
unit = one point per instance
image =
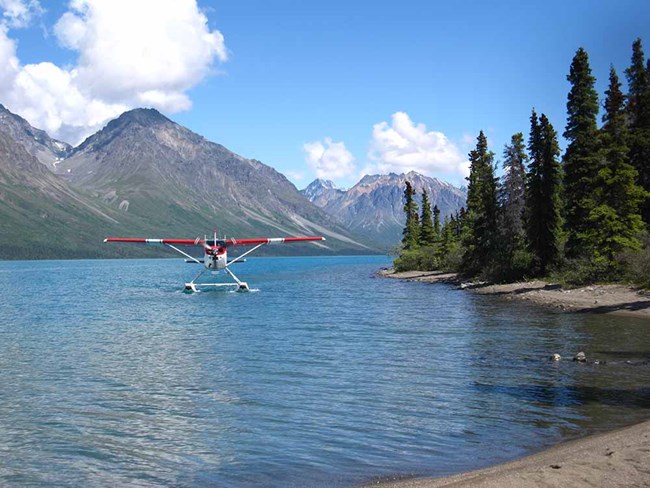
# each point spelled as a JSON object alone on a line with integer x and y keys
{"x": 215, "y": 253}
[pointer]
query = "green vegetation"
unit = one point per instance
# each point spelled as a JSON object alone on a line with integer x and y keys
{"x": 584, "y": 219}
{"x": 411, "y": 232}
{"x": 427, "y": 235}
{"x": 581, "y": 160}
{"x": 479, "y": 234}
{"x": 544, "y": 205}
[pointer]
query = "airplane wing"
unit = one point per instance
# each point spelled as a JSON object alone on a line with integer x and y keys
{"x": 201, "y": 242}
{"x": 271, "y": 240}
{"x": 175, "y": 242}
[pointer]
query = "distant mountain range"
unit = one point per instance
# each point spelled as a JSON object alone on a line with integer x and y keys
{"x": 148, "y": 176}
{"x": 374, "y": 207}
{"x": 145, "y": 175}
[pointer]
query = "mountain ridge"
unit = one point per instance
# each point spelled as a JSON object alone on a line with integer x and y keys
{"x": 146, "y": 171}
{"x": 374, "y": 206}
{"x": 35, "y": 141}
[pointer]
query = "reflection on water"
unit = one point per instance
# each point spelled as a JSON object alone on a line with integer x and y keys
{"x": 110, "y": 375}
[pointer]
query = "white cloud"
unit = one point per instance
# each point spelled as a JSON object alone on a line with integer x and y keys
{"x": 330, "y": 160}
{"x": 153, "y": 50}
{"x": 19, "y": 13}
{"x": 403, "y": 146}
{"x": 130, "y": 54}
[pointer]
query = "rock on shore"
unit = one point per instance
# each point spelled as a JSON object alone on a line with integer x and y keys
{"x": 617, "y": 299}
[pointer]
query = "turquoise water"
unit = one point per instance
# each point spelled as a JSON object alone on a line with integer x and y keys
{"x": 328, "y": 376}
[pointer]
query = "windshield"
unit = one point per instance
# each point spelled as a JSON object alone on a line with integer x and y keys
{"x": 218, "y": 242}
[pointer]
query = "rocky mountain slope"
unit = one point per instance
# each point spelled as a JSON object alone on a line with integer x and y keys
{"x": 321, "y": 191}
{"x": 41, "y": 216}
{"x": 374, "y": 206}
{"x": 145, "y": 175}
{"x": 35, "y": 141}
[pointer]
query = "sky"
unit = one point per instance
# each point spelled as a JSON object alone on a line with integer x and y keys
{"x": 334, "y": 89}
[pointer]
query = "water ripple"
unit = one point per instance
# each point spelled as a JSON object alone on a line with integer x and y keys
{"x": 111, "y": 375}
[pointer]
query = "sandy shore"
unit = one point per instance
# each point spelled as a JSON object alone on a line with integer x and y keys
{"x": 616, "y": 459}
{"x": 616, "y": 299}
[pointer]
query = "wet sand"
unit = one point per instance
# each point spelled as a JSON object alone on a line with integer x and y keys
{"x": 616, "y": 459}
{"x": 618, "y": 299}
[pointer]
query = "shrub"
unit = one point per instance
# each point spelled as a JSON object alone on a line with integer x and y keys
{"x": 585, "y": 271}
{"x": 636, "y": 264}
{"x": 421, "y": 259}
{"x": 509, "y": 268}
{"x": 452, "y": 261}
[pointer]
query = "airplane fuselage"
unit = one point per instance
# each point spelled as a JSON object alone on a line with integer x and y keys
{"x": 216, "y": 257}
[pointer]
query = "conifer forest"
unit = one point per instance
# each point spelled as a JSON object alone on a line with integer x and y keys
{"x": 578, "y": 217}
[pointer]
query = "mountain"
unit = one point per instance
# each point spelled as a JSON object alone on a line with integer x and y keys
{"x": 41, "y": 216}
{"x": 35, "y": 141}
{"x": 143, "y": 175}
{"x": 320, "y": 191}
{"x": 143, "y": 164}
{"x": 374, "y": 206}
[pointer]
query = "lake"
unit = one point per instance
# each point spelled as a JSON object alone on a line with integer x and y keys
{"x": 327, "y": 376}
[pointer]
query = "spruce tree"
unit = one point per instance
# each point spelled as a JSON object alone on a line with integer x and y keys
{"x": 480, "y": 235}
{"x": 581, "y": 162}
{"x": 638, "y": 116}
{"x": 447, "y": 238}
{"x": 550, "y": 181}
{"x": 534, "y": 198}
{"x": 411, "y": 233}
{"x": 543, "y": 186}
{"x": 448, "y": 244}
{"x": 512, "y": 194}
{"x": 638, "y": 81}
{"x": 459, "y": 220}
{"x": 616, "y": 215}
{"x": 436, "y": 222}
{"x": 427, "y": 232}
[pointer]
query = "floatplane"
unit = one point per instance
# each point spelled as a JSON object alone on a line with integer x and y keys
{"x": 215, "y": 254}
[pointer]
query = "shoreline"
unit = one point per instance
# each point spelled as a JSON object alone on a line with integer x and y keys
{"x": 620, "y": 458}
{"x": 614, "y": 459}
{"x": 613, "y": 299}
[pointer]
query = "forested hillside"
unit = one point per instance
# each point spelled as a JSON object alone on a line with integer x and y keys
{"x": 582, "y": 218}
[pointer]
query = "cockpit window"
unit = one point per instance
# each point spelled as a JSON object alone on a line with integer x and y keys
{"x": 212, "y": 242}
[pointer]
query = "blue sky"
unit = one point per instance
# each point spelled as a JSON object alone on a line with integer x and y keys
{"x": 331, "y": 89}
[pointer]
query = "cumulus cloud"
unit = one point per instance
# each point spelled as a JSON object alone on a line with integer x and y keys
{"x": 330, "y": 160}
{"x": 403, "y": 146}
{"x": 19, "y": 13}
{"x": 130, "y": 54}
